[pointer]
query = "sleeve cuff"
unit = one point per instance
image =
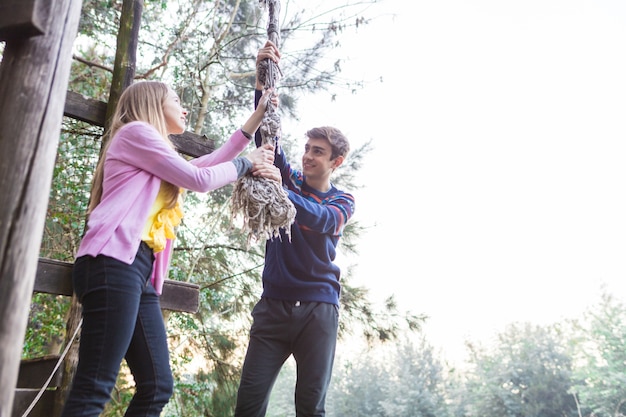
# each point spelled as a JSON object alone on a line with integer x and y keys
{"x": 243, "y": 166}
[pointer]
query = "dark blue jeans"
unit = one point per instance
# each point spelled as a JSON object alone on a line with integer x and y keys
{"x": 306, "y": 330}
{"x": 121, "y": 319}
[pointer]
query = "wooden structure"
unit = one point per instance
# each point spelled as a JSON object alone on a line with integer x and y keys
{"x": 55, "y": 277}
{"x": 34, "y": 75}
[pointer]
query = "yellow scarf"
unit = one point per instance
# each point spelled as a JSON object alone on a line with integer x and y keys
{"x": 162, "y": 223}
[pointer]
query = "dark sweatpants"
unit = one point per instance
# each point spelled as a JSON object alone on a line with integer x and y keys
{"x": 308, "y": 330}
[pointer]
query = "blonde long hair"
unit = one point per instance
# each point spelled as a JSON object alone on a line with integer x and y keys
{"x": 142, "y": 101}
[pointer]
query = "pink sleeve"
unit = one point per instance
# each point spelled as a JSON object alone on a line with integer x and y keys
{"x": 227, "y": 152}
{"x": 139, "y": 145}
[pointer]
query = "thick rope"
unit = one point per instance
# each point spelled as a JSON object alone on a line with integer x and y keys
{"x": 264, "y": 204}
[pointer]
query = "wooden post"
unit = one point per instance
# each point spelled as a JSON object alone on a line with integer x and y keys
{"x": 34, "y": 75}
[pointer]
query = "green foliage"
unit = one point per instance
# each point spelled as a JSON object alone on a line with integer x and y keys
{"x": 526, "y": 374}
{"x": 601, "y": 352}
{"x": 121, "y": 395}
{"x": 408, "y": 382}
{"x": 416, "y": 384}
{"x": 69, "y": 195}
{"x": 46, "y": 322}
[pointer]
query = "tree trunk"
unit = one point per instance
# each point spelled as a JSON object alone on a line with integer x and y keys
{"x": 125, "y": 54}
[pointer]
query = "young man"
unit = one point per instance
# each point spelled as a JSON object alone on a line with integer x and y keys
{"x": 298, "y": 311}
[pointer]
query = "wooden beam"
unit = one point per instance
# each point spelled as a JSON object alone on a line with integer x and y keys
{"x": 23, "y": 398}
{"x": 55, "y": 277}
{"x": 85, "y": 109}
{"x": 35, "y": 372}
{"x": 193, "y": 145}
{"x": 180, "y": 296}
{"x": 20, "y": 19}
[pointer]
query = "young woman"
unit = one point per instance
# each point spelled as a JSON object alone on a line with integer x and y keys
{"x": 124, "y": 254}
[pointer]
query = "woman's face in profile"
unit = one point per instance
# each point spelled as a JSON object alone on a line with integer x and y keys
{"x": 175, "y": 115}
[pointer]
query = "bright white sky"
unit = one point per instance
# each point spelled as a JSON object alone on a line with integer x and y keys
{"x": 496, "y": 189}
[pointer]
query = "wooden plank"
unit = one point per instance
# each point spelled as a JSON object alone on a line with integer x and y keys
{"x": 35, "y": 372}
{"x": 23, "y": 398}
{"x": 22, "y": 18}
{"x": 193, "y": 145}
{"x": 55, "y": 277}
{"x": 180, "y": 296}
{"x": 85, "y": 109}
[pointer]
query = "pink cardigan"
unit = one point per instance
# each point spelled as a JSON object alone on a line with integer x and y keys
{"x": 136, "y": 162}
